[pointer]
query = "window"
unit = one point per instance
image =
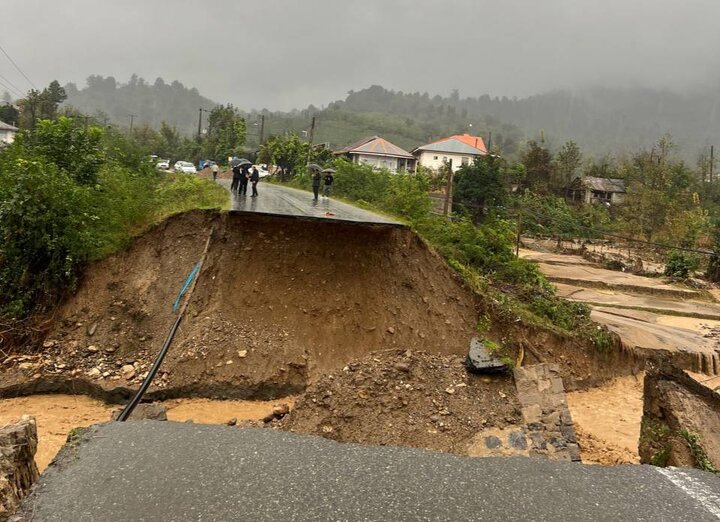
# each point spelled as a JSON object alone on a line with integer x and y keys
{"x": 435, "y": 158}
{"x": 465, "y": 161}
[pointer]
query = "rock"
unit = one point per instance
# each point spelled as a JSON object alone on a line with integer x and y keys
{"x": 26, "y": 365}
{"x": 242, "y": 354}
{"x": 145, "y": 411}
{"x": 92, "y": 349}
{"x": 268, "y": 418}
{"x": 18, "y": 444}
{"x": 48, "y": 344}
{"x": 280, "y": 410}
{"x": 95, "y": 372}
{"x": 517, "y": 440}
{"x": 480, "y": 360}
{"x": 492, "y": 442}
{"x": 232, "y": 422}
{"x": 128, "y": 371}
{"x": 91, "y": 329}
{"x": 402, "y": 366}
{"x": 449, "y": 390}
{"x": 390, "y": 330}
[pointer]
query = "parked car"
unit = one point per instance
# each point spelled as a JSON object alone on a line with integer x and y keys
{"x": 262, "y": 171}
{"x": 184, "y": 166}
{"x": 163, "y": 164}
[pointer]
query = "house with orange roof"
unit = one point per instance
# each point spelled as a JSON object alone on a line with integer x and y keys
{"x": 457, "y": 151}
{"x": 379, "y": 153}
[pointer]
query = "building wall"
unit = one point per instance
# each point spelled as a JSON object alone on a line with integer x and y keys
{"x": 380, "y": 162}
{"x": 435, "y": 160}
{"x": 7, "y": 136}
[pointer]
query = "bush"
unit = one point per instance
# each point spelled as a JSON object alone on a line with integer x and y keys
{"x": 681, "y": 264}
{"x": 60, "y": 208}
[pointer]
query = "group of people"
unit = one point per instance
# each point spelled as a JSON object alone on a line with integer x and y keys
{"x": 324, "y": 177}
{"x": 242, "y": 175}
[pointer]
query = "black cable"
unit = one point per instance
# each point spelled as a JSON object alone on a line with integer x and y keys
{"x": 17, "y": 67}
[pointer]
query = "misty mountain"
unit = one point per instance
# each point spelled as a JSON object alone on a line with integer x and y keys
{"x": 600, "y": 120}
{"x": 151, "y": 104}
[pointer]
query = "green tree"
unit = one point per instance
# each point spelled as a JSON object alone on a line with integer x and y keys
{"x": 539, "y": 167}
{"x": 567, "y": 162}
{"x": 481, "y": 186}
{"x": 226, "y": 133}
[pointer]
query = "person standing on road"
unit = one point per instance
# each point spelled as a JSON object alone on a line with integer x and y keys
{"x": 254, "y": 178}
{"x": 329, "y": 178}
{"x": 245, "y": 175}
{"x": 215, "y": 170}
{"x": 316, "y": 178}
{"x": 237, "y": 172}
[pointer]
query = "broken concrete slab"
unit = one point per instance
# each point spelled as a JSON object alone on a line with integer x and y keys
{"x": 480, "y": 360}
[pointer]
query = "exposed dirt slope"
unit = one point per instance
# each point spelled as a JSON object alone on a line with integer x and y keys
{"x": 406, "y": 398}
{"x": 279, "y": 302}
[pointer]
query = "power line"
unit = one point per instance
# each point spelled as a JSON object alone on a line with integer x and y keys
{"x": 10, "y": 89}
{"x": 17, "y": 67}
{"x": 12, "y": 86}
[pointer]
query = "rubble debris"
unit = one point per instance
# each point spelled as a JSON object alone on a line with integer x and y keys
{"x": 18, "y": 471}
{"x": 681, "y": 420}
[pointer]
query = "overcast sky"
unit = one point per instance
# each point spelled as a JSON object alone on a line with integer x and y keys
{"x": 280, "y": 54}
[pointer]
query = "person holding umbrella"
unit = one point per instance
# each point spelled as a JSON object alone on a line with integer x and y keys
{"x": 315, "y": 169}
{"x": 329, "y": 178}
{"x": 244, "y": 177}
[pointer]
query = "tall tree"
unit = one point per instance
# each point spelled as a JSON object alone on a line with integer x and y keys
{"x": 226, "y": 133}
{"x": 567, "y": 162}
{"x": 481, "y": 186}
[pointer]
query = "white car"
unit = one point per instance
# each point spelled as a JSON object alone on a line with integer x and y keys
{"x": 163, "y": 164}
{"x": 262, "y": 171}
{"x": 185, "y": 167}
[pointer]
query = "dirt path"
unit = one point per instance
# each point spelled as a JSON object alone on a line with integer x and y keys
{"x": 607, "y": 421}
{"x": 57, "y": 415}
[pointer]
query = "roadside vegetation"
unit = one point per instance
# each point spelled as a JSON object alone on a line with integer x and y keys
{"x": 71, "y": 193}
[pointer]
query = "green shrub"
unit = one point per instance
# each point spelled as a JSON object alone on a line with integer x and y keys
{"x": 681, "y": 264}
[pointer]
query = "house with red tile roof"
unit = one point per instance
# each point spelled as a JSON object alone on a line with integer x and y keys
{"x": 379, "y": 153}
{"x": 458, "y": 151}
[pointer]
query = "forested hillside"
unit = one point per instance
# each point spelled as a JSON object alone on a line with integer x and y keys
{"x": 150, "y": 104}
{"x": 601, "y": 121}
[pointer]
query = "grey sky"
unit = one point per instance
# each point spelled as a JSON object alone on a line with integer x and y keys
{"x": 282, "y": 54}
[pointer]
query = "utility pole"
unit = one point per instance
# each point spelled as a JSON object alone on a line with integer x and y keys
{"x": 200, "y": 122}
{"x": 262, "y": 129}
{"x": 132, "y": 119}
{"x": 712, "y": 161}
{"x": 310, "y": 140}
{"x": 447, "y": 207}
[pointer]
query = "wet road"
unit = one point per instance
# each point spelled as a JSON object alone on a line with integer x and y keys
{"x": 278, "y": 200}
{"x": 152, "y": 470}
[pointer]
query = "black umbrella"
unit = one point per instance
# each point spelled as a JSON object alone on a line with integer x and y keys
{"x": 314, "y": 166}
{"x": 328, "y": 171}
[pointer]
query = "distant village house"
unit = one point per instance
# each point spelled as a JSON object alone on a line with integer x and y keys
{"x": 379, "y": 153}
{"x": 7, "y": 133}
{"x": 589, "y": 189}
{"x": 457, "y": 151}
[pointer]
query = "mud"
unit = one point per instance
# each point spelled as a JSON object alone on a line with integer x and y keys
{"x": 607, "y": 420}
{"x": 57, "y": 415}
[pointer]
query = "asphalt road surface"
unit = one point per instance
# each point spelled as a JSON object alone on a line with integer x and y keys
{"x": 277, "y": 200}
{"x": 152, "y": 470}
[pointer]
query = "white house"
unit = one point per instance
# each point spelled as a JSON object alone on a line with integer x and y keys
{"x": 458, "y": 151}
{"x": 7, "y": 133}
{"x": 379, "y": 153}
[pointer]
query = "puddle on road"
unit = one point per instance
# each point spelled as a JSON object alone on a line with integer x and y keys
{"x": 57, "y": 415}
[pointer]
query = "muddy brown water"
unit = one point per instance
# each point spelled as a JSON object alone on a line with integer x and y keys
{"x": 57, "y": 415}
